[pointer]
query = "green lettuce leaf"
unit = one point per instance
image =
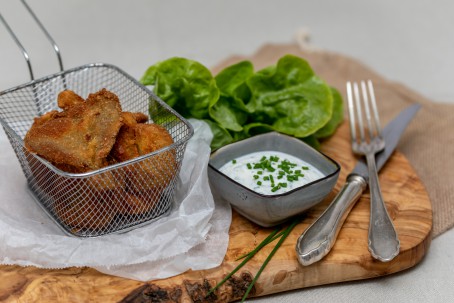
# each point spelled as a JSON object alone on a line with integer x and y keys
{"x": 231, "y": 81}
{"x": 184, "y": 84}
{"x": 257, "y": 128}
{"x": 290, "y": 97}
{"x": 226, "y": 112}
{"x": 221, "y": 136}
{"x": 230, "y": 111}
{"x": 336, "y": 118}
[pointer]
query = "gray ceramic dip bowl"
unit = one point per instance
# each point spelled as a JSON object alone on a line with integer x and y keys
{"x": 270, "y": 210}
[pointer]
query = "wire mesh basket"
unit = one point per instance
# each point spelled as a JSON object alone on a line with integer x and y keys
{"x": 118, "y": 197}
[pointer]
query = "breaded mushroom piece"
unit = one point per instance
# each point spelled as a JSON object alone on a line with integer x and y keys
{"x": 82, "y": 135}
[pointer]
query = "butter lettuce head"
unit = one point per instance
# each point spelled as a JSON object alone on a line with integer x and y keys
{"x": 238, "y": 103}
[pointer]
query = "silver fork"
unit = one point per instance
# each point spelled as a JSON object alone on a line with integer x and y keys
{"x": 383, "y": 241}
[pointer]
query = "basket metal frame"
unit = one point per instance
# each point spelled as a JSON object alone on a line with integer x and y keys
{"x": 36, "y": 191}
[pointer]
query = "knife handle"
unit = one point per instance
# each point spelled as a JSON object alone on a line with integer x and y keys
{"x": 318, "y": 239}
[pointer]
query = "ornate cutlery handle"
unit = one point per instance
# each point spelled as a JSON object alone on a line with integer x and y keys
{"x": 384, "y": 244}
{"x": 318, "y": 239}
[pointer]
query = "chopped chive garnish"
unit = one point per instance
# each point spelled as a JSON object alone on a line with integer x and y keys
{"x": 275, "y": 171}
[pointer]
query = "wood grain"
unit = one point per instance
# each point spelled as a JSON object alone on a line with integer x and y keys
{"x": 406, "y": 200}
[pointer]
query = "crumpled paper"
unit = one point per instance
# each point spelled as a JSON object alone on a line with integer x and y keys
{"x": 193, "y": 236}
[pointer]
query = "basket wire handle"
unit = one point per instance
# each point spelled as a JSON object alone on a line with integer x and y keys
{"x": 49, "y": 37}
{"x": 23, "y": 50}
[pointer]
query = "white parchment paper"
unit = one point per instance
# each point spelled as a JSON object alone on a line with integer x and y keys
{"x": 194, "y": 235}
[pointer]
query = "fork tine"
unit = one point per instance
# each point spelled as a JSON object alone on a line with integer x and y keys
{"x": 374, "y": 107}
{"x": 359, "y": 111}
{"x": 367, "y": 110}
{"x": 351, "y": 112}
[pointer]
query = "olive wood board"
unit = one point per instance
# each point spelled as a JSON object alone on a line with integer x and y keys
{"x": 406, "y": 200}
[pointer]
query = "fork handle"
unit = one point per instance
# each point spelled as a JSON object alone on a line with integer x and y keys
{"x": 384, "y": 244}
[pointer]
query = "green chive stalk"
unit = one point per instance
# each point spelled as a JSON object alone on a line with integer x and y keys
{"x": 247, "y": 258}
{"x": 267, "y": 242}
{"x": 270, "y": 238}
{"x": 267, "y": 260}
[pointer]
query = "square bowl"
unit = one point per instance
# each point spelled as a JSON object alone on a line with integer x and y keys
{"x": 272, "y": 209}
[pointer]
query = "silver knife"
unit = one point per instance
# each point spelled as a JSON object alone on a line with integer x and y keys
{"x": 318, "y": 239}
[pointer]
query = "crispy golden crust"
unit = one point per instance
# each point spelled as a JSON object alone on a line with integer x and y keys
{"x": 136, "y": 139}
{"x": 82, "y": 135}
{"x": 108, "y": 180}
{"x": 94, "y": 133}
{"x": 68, "y": 98}
{"x": 131, "y": 119}
{"x": 138, "y": 203}
{"x": 151, "y": 137}
{"x": 90, "y": 211}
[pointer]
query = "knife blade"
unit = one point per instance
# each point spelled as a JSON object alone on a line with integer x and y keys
{"x": 318, "y": 239}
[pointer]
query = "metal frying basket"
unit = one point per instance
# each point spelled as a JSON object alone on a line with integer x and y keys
{"x": 116, "y": 198}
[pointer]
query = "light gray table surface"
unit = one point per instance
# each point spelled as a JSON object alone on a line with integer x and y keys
{"x": 411, "y": 42}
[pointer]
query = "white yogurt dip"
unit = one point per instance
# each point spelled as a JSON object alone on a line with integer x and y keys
{"x": 271, "y": 172}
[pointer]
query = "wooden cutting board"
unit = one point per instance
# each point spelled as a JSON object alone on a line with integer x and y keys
{"x": 407, "y": 202}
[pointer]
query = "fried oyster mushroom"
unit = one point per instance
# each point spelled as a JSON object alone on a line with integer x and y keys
{"x": 82, "y": 135}
{"x": 90, "y": 134}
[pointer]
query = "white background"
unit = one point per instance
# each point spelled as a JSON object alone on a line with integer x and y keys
{"x": 411, "y": 42}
